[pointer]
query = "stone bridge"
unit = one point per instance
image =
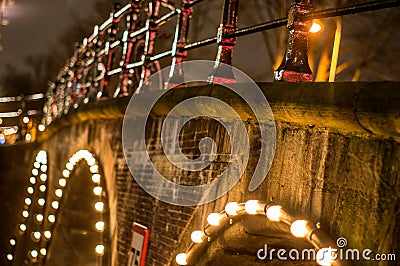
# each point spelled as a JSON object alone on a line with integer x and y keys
{"x": 336, "y": 166}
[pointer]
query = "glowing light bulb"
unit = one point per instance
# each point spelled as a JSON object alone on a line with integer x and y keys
{"x": 28, "y": 201}
{"x": 41, "y": 127}
{"x": 25, "y": 119}
{"x": 96, "y": 178}
{"x": 39, "y": 217}
{"x": 99, "y": 206}
{"x": 47, "y": 234}
{"x": 34, "y": 253}
{"x": 181, "y": 259}
{"x": 325, "y": 256}
{"x": 274, "y": 213}
{"x": 97, "y": 190}
{"x": 41, "y": 201}
{"x": 43, "y": 251}
{"x": 10, "y": 257}
{"x": 299, "y": 228}
{"x": 91, "y": 161}
{"x": 253, "y": 207}
{"x": 36, "y": 164}
{"x": 36, "y": 235}
{"x": 43, "y": 168}
{"x": 32, "y": 180}
{"x": 62, "y": 182}
{"x": 315, "y": 27}
{"x": 99, "y": 250}
{"x": 43, "y": 177}
{"x": 22, "y": 227}
{"x": 51, "y": 218}
{"x": 30, "y": 190}
{"x": 197, "y": 236}
{"x": 100, "y": 226}
{"x": 42, "y": 188}
{"x": 35, "y": 172}
{"x": 214, "y": 219}
{"x": 55, "y": 205}
{"x": 13, "y": 242}
{"x": 58, "y": 193}
{"x": 232, "y": 208}
{"x": 69, "y": 166}
{"x": 94, "y": 168}
{"x": 65, "y": 173}
{"x": 25, "y": 214}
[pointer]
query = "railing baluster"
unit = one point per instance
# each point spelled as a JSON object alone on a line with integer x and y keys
{"x": 294, "y": 67}
{"x": 176, "y": 75}
{"x": 222, "y": 74}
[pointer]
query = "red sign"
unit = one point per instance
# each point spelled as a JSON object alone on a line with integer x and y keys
{"x": 139, "y": 243}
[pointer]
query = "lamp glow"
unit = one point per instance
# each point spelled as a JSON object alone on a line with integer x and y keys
{"x": 232, "y": 208}
{"x": 58, "y": 193}
{"x": 100, "y": 226}
{"x": 55, "y": 205}
{"x": 43, "y": 168}
{"x": 36, "y": 164}
{"x": 181, "y": 259}
{"x": 10, "y": 257}
{"x": 42, "y": 188}
{"x": 35, "y": 172}
{"x": 97, "y": 190}
{"x": 41, "y": 127}
{"x": 214, "y": 219}
{"x": 13, "y": 242}
{"x": 99, "y": 250}
{"x": 36, "y": 235}
{"x": 274, "y": 213}
{"x": 99, "y": 206}
{"x": 43, "y": 251}
{"x": 253, "y": 207}
{"x": 197, "y": 236}
{"x": 25, "y": 214}
{"x": 43, "y": 177}
{"x": 325, "y": 256}
{"x": 32, "y": 180}
{"x": 34, "y": 253}
{"x": 51, "y": 218}
{"x": 22, "y": 227}
{"x": 30, "y": 190}
{"x": 315, "y": 27}
{"x": 28, "y": 201}
{"x": 94, "y": 168}
{"x": 47, "y": 234}
{"x": 39, "y": 217}
{"x": 65, "y": 173}
{"x": 69, "y": 166}
{"x": 41, "y": 201}
{"x": 62, "y": 182}
{"x": 96, "y": 178}
{"x": 91, "y": 161}
{"x": 25, "y": 119}
{"x": 299, "y": 228}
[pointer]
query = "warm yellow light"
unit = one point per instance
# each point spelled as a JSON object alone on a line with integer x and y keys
{"x": 36, "y": 165}
{"x": 10, "y": 257}
{"x": 62, "y": 182}
{"x": 13, "y": 242}
{"x": 197, "y": 236}
{"x": 22, "y": 227}
{"x": 42, "y": 188}
{"x": 28, "y": 201}
{"x": 41, "y": 127}
{"x": 65, "y": 173}
{"x": 91, "y": 161}
{"x": 51, "y": 218}
{"x": 30, "y": 190}
{"x": 214, "y": 219}
{"x": 36, "y": 235}
{"x": 96, "y": 178}
{"x": 325, "y": 256}
{"x": 232, "y": 208}
{"x": 315, "y": 27}
{"x": 34, "y": 253}
{"x": 43, "y": 168}
{"x": 97, "y": 190}
{"x": 25, "y": 119}
{"x": 99, "y": 250}
{"x": 39, "y": 217}
{"x": 181, "y": 259}
{"x": 25, "y": 214}
{"x": 32, "y": 180}
{"x": 35, "y": 172}
{"x": 43, "y": 251}
{"x": 58, "y": 193}
{"x": 28, "y": 137}
{"x": 43, "y": 177}
{"x": 41, "y": 201}
{"x": 42, "y": 157}
{"x": 47, "y": 234}
{"x": 55, "y": 205}
{"x": 99, "y": 206}
{"x": 274, "y": 213}
{"x": 94, "y": 168}
{"x": 253, "y": 207}
{"x": 100, "y": 226}
{"x": 69, "y": 166}
{"x": 299, "y": 228}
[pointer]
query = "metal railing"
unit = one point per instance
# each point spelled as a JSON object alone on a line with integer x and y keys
{"x": 118, "y": 58}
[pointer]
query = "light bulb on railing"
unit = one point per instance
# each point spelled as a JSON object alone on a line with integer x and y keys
{"x": 99, "y": 250}
{"x": 326, "y": 256}
{"x": 10, "y": 257}
{"x": 97, "y": 190}
{"x": 47, "y": 234}
{"x": 65, "y": 173}
{"x": 43, "y": 168}
{"x": 274, "y": 213}
{"x": 58, "y": 193}
{"x": 51, "y": 218}
{"x": 96, "y": 178}
{"x": 181, "y": 259}
{"x": 43, "y": 251}
{"x": 42, "y": 188}
{"x": 100, "y": 226}
{"x": 13, "y": 242}
{"x": 43, "y": 177}
{"x": 22, "y": 227}
{"x": 62, "y": 182}
{"x": 299, "y": 228}
{"x": 99, "y": 206}
{"x": 197, "y": 236}
{"x": 254, "y": 207}
{"x": 232, "y": 208}
{"x": 214, "y": 219}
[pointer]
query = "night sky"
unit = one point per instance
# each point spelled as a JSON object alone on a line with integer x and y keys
{"x": 34, "y": 25}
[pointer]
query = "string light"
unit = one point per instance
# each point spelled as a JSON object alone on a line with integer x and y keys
{"x": 13, "y": 242}
{"x": 299, "y": 228}
{"x": 254, "y": 207}
{"x": 96, "y": 178}
{"x": 97, "y": 190}
{"x": 43, "y": 177}
{"x": 25, "y": 214}
{"x": 30, "y": 190}
{"x": 43, "y": 168}
{"x": 65, "y": 173}
{"x": 100, "y": 226}
{"x": 94, "y": 168}
{"x": 36, "y": 235}
{"x": 36, "y": 164}
{"x": 99, "y": 249}
{"x": 62, "y": 182}
{"x": 10, "y": 257}
{"x": 22, "y": 227}
{"x": 34, "y": 253}
{"x": 181, "y": 259}
{"x": 55, "y": 205}
{"x": 35, "y": 172}
{"x": 28, "y": 201}
{"x": 99, "y": 206}
{"x": 43, "y": 251}
{"x": 32, "y": 180}
{"x": 325, "y": 256}
{"x": 58, "y": 193}
{"x": 197, "y": 236}
{"x": 51, "y": 218}
{"x": 42, "y": 188}
{"x": 41, "y": 201}
{"x": 214, "y": 219}
{"x": 47, "y": 234}
{"x": 274, "y": 213}
{"x": 232, "y": 208}
{"x": 39, "y": 217}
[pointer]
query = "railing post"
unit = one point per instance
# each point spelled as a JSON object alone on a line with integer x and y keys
{"x": 176, "y": 75}
{"x": 154, "y": 7}
{"x": 294, "y": 67}
{"x": 221, "y": 74}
